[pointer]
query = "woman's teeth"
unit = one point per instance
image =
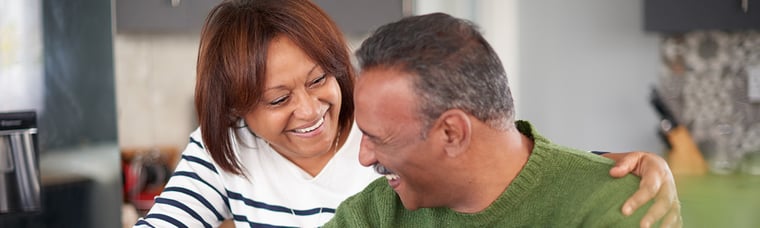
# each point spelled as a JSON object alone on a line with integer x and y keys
{"x": 312, "y": 128}
{"x": 391, "y": 176}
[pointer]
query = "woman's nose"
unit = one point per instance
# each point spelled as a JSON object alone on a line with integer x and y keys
{"x": 308, "y": 107}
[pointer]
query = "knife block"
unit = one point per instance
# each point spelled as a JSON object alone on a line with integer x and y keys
{"x": 684, "y": 157}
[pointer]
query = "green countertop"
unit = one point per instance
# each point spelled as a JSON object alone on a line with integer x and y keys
{"x": 720, "y": 200}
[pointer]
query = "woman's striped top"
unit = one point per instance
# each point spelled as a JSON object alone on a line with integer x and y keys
{"x": 277, "y": 193}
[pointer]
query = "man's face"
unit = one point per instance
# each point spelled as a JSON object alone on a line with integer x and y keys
{"x": 386, "y": 112}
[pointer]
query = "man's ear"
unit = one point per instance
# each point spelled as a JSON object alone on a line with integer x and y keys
{"x": 455, "y": 131}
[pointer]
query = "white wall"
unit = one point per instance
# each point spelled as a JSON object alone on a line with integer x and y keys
{"x": 586, "y": 67}
{"x": 580, "y": 70}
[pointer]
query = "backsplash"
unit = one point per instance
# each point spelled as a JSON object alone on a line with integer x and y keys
{"x": 155, "y": 79}
{"x": 704, "y": 80}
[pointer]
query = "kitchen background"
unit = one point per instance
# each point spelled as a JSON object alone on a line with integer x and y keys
{"x": 56, "y": 58}
{"x": 115, "y": 79}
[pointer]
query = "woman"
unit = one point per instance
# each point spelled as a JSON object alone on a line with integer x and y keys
{"x": 275, "y": 145}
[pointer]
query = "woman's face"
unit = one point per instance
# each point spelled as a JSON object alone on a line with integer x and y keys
{"x": 298, "y": 112}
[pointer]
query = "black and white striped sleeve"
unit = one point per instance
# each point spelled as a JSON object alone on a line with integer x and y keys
{"x": 194, "y": 196}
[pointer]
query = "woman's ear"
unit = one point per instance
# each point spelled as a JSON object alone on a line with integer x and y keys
{"x": 455, "y": 131}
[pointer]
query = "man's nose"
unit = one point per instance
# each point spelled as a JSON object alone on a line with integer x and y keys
{"x": 366, "y": 153}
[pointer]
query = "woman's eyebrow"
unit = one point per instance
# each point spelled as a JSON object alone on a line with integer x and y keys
{"x": 312, "y": 69}
{"x": 280, "y": 86}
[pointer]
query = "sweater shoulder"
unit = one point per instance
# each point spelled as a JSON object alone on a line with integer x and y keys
{"x": 584, "y": 178}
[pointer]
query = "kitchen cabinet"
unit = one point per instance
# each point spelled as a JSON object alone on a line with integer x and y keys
{"x": 67, "y": 203}
{"x": 673, "y": 16}
{"x": 358, "y": 17}
{"x": 162, "y": 15}
{"x": 354, "y": 17}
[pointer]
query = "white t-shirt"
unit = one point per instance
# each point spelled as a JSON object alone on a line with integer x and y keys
{"x": 278, "y": 193}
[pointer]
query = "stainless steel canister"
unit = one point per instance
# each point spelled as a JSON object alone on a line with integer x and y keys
{"x": 19, "y": 171}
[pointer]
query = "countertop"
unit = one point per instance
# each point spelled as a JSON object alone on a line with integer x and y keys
{"x": 720, "y": 200}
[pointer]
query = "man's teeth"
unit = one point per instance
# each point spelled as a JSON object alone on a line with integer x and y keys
{"x": 391, "y": 176}
{"x": 309, "y": 129}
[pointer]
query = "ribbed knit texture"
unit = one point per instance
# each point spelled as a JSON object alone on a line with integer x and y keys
{"x": 558, "y": 187}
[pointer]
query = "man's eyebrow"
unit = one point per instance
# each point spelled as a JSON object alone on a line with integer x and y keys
{"x": 371, "y": 136}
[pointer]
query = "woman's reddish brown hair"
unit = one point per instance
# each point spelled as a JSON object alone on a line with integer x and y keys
{"x": 232, "y": 62}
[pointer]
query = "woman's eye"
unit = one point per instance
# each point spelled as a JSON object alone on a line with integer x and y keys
{"x": 279, "y": 100}
{"x": 319, "y": 81}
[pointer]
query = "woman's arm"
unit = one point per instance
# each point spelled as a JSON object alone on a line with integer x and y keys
{"x": 656, "y": 183}
{"x": 194, "y": 195}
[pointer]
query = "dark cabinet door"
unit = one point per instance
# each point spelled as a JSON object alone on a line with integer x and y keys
{"x": 357, "y": 17}
{"x": 686, "y": 15}
{"x": 162, "y": 15}
{"x": 353, "y": 16}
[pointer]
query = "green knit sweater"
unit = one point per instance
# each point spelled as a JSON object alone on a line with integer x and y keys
{"x": 558, "y": 187}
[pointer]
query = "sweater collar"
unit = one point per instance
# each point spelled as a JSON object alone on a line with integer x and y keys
{"x": 528, "y": 178}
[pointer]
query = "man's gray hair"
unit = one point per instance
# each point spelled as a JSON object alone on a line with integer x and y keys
{"x": 453, "y": 67}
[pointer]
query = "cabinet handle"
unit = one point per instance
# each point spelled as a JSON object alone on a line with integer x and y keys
{"x": 176, "y": 3}
{"x": 745, "y": 5}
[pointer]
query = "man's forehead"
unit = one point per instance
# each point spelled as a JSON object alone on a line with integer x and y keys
{"x": 383, "y": 101}
{"x": 382, "y": 89}
{"x": 382, "y": 78}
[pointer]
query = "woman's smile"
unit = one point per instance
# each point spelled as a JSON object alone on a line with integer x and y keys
{"x": 312, "y": 130}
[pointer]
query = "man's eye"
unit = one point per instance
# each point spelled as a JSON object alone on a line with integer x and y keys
{"x": 372, "y": 139}
{"x": 279, "y": 100}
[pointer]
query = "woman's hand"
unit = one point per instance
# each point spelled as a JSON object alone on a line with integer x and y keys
{"x": 656, "y": 183}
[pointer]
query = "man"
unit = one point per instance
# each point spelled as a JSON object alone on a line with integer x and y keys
{"x": 437, "y": 115}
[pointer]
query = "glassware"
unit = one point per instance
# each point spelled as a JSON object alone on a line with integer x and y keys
{"x": 722, "y": 152}
{"x": 751, "y": 162}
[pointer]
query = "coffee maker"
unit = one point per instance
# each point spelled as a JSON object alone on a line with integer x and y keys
{"x": 19, "y": 171}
